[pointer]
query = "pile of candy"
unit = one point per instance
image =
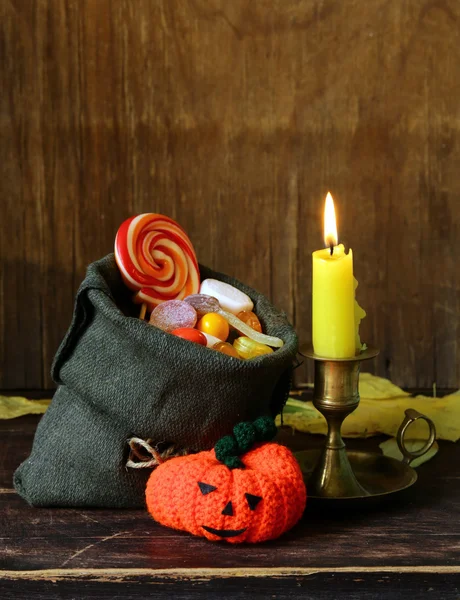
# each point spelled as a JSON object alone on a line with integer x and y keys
{"x": 157, "y": 260}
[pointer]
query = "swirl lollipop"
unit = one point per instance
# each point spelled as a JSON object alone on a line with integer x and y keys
{"x": 156, "y": 259}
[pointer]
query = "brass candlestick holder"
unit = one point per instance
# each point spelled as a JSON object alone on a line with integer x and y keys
{"x": 334, "y": 473}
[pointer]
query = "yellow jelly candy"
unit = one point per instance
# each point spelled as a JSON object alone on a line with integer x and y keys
{"x": 248, "y": 348}
{"x": 215, "y": 325}
{"x": 226, "y": 348}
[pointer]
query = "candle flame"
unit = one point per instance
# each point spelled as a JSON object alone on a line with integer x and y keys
{"x": 330, "y": 225}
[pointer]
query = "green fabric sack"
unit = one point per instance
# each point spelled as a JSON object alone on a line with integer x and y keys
{"x": 119, "y": 377}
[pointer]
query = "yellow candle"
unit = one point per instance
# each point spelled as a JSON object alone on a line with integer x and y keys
{"x": 336, "y": 315}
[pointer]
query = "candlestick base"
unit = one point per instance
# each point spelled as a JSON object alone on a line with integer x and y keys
{"x": 336, "y": 395}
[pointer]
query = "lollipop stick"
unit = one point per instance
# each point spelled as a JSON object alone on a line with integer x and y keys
{"x": 143, "y": 311}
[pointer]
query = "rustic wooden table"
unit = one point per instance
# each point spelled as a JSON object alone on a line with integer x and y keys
{"x": 402, "y": 549}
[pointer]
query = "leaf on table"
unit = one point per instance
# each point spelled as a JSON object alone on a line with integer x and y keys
{"x": 390, "y": 448}
{"x": 381, "y": 415}
{"x": 17, "y": 406}
{"x": 376, "y": 388}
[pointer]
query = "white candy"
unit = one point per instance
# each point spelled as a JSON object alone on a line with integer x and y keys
{"x": 230, "y": 299}
{"x": 211, "y": 339}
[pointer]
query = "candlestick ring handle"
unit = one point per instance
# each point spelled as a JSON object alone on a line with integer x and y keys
{"x": 413, "y": 415}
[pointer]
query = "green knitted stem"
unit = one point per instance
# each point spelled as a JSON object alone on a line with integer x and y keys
{"x": 225, "y": 447}
{"x": 233, "y": 462}
{"x": 245, "y": 434}
{"x": 266, "y": 429}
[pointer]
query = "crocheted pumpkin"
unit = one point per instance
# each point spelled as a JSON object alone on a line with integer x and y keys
{"x": 252, "y": 498}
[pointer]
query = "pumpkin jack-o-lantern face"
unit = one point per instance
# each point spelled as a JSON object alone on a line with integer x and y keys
{"x": 199, "y": 494}
{"x": 228, "y": 511}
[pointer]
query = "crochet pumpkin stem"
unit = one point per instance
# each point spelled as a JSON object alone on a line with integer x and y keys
{"x": 229, "y": 448}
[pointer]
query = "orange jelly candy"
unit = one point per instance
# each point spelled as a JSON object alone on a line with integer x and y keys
{"x": 226, "y": 348}
{"x": 251, "y": 319}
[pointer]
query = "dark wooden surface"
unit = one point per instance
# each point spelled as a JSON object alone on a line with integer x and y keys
{"x": 235, "y": 118}
{"x": 404, "y": 549}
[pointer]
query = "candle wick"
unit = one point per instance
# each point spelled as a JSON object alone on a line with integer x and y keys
{"x": 331, "y": 246}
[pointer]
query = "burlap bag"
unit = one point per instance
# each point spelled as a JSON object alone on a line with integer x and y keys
{"x": 119, "y": 378}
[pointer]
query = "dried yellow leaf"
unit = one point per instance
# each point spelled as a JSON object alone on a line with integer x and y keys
{"x": 390, "y": 448}
{"x": 382, "y": 413}
{"x": 17, "y": 406}
{"x": 374, "y": 387}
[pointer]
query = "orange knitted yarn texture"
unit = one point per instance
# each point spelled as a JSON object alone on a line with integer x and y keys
{"x": 199, "y": 494}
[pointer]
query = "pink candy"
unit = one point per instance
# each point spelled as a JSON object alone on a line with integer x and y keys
{"x": 173, "y": 314}
{"x": 203, "y": 304}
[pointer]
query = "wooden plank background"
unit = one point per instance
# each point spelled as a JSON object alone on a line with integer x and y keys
{"x": 235, "y": 118}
